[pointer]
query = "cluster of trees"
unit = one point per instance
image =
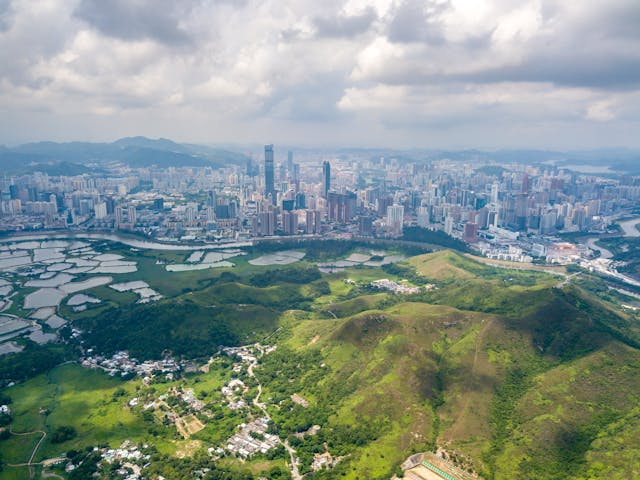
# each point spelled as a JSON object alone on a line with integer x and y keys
{"x": 32, "y": 361}
{"x": 147, "y": 331}
{"x": 300, "y": 276}
{"x": 63, "y": 433}
{"x": 433, "y": 237}
{"x": 405, "y": 271}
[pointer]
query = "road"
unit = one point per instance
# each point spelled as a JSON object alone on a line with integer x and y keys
{"x": 295, "y": 474}
{"x": 567, "y": 280}
{"x": 30, "y": 463}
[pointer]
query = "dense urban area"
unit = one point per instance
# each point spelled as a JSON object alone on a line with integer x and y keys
{"x": 301, "y": 314}
{"x": 508, "y": 210}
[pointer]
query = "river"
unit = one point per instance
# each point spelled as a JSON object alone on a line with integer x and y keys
{"x": 629, "y": 227}
{"x": 604, "y": 253}
{"x": 131, "y": 241}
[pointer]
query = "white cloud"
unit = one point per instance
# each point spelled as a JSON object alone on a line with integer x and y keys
{"x": 602, "y": 111}
{"x": 265, "y": 68}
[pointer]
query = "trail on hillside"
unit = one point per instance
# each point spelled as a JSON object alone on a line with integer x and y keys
{"x": 29, "y": 463}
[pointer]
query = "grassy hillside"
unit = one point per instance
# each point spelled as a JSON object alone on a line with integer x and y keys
{"x": 512, "y": 376}
{"x": 516, "y": 378}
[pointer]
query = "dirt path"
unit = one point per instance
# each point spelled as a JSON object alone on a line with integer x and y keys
{"x": 30, "y": 463}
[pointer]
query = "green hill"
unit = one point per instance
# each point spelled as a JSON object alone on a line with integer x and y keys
{"x": 510, "y": 375}
{"x": 517, "y": 380}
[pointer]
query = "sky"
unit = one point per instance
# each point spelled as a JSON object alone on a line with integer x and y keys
{"x": 384, "y": 73}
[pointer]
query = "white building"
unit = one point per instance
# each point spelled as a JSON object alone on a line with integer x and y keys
{"x": 100, "y": 210}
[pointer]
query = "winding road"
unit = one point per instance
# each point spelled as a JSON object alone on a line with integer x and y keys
{"x": 295, "y": 474}
{"x": 30, "y": 463}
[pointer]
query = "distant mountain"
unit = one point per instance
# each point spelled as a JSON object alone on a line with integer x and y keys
{"x": 133, "y": 151}
{"x": 153, "y": 144}
{"x": 145, "y": 152}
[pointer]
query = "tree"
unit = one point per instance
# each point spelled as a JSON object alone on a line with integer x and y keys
{"x": 63, "y": 433}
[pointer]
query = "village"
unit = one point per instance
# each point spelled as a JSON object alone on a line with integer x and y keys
{"x": 120, "y": 363}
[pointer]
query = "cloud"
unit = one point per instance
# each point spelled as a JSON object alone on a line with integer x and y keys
{"x": 396, "y": 71}
{"x": 418, "y": 21}
{"x": 343, "y": 25}
{"x": 6, "y": 12}
{"x": 158, "y": 20}
{"x": 602, "y": 111}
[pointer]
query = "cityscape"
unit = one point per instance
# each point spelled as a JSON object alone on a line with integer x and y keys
{"x": 297, "y": 240}
{"x": 507, "y": 211}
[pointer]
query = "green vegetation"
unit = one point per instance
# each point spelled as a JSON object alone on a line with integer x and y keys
{"x": 514, "y": 377}
{"x": 433, "y": 237}
{"x": 33, "y": 360}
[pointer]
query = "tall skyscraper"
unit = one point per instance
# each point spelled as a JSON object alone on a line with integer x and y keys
{"x": 211, "y": 198}
{"x": 290, "y": 162}
{"x": 326, "y": 178}
{"x": 269, "y": 188}
{"x": 395, "y": 217}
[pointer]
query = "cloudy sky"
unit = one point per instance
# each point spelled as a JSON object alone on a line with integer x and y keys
{"x": 398, "y": 73}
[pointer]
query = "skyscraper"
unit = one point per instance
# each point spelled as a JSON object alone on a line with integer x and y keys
{"x": 290, "y": 162}
{"x": 395, "y": 217}
{"x": 326, "y": 178}
{"x": 269, "y": 188}
{"x": 290, "y": 222}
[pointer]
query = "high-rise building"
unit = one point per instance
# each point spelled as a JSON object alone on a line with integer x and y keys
{"x": 313, "y": 221}
{"x": 365, "y": 226}
{"x": 264, "y": 223}
{"x": 269, "y": 185}
{"x": 296, "y": 176}
{"x": 211, "y": 214}
{"x": 470, "y": 232}
{"x": 341, "y": 207}
{"x": 131, "y": 214}
{"x": 395, "y": 217}
{"x": 423, "y": 216}
{"x": 100, "y": 209}
{"x": 190, "y": 212}
{"x": 290, "y": 222}
{"x": 448, "y": 225}
{"x": 290, "y": 162}
{"x": 211, "y": 198}
{"x": 326, "y": 178}
{"x": 494, "y": 192}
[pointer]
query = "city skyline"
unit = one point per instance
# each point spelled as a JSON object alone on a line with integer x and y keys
{"x": 397, "y": 74}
